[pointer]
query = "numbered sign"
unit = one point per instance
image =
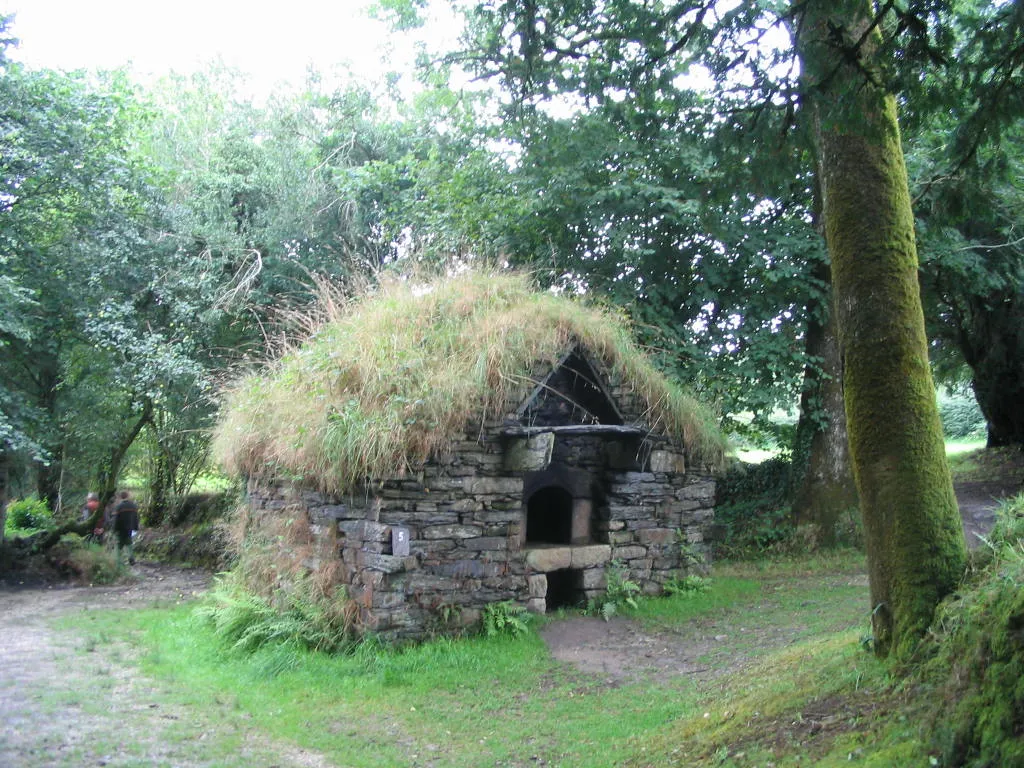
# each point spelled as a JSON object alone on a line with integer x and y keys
{"x": 399, "y": 541}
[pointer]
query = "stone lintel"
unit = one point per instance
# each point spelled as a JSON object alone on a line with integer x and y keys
{"x": 589, "y": 556}
{"x": 529, "y": 453}
{"x": 549, "y": 558}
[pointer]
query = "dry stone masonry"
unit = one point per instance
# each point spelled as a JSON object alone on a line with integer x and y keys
{"x": 534, "y": 509}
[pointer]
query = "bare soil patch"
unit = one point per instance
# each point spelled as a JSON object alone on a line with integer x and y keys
{"x": 978, "y": 502}
{"x": 982, "y": 480}
{"x": 623, "y": 650}
{"x": 68, "y": 698}
{"x": 619, "y": 650}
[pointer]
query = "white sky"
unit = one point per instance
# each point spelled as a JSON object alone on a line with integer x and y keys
{"x": 271, "y": 41}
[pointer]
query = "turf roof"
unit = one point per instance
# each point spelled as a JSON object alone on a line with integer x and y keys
{"x": 398, "y": 374}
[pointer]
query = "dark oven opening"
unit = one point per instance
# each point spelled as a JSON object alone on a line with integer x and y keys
{"x": 549, "y": 516}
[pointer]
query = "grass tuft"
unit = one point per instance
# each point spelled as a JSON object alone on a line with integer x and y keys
{"x": 398, "y": 374}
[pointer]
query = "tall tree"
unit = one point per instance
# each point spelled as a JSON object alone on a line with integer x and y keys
{"x": 912, "y": 524}
{"x": 969, "y": 223}
{"x": 824, "y": 494}
{"x": 70, "y": 237}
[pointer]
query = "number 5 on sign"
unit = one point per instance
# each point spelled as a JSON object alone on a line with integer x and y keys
{"x": 399, "y": 541}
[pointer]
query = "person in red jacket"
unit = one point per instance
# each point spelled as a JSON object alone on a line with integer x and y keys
{"x": 92, "y": 503}
{"x": 126, "y": 525}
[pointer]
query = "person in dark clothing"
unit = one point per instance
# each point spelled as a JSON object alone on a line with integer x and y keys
{"x": 126, "y": 524}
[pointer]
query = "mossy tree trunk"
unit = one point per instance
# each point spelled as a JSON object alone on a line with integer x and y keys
{"x": 824, "y": 495}
{"x": 913, "y": 534}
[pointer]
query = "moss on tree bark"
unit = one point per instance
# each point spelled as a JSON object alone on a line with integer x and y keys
{"x": 824, "y": 495}
{"x": 912, "y": 528}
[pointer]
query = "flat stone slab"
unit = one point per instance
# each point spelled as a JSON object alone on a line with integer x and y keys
{"x": 547, "y": 559}
{"x": 590, "y": 555}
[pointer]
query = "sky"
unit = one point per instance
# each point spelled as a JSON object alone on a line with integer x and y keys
{"x": 272, "y": 42}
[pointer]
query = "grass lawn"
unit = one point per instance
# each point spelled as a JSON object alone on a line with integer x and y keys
{"x": 779, "y": 644}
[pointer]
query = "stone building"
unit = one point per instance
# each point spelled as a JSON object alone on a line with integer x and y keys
{"x": 532, "y": 505}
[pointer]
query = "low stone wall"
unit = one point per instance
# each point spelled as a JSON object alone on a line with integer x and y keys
{"x": 428, "y": 552}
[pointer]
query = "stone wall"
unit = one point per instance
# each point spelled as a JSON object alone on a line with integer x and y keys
{"x": 429, "y": 551}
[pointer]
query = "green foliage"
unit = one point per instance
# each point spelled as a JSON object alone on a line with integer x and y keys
{"x": 297, "y": 616}
{"x": 687, "y": 585}
{"x": 31, "y": 514}
{"x": 651, "y": 193}
{"x": 400, "y": 373}
{"x": 972, "y": 276}
{"x": 620, "y": 593}
{"x": 505, "y": 618}
{"x": 750, "y": 509}
{"x": 961, "y": 416}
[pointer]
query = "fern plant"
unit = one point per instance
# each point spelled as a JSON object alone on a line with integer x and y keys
{"x": 505, "y": 618}
{"x": 247, "y": 621}
{"x": 620, "y": 593}
{"x": 687, "y": 585}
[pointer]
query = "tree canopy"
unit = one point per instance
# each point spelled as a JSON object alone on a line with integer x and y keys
{"x": 657, "y": 157}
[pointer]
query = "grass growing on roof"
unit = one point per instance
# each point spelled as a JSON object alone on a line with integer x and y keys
{"x": 396, "y": 375}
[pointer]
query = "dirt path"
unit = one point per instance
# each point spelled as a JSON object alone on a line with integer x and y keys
{"x": 623, "y": 651}
{"x": 71, "y": 699}
{"x": 978, "y": 503}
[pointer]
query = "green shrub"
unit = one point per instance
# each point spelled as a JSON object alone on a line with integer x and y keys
{"x": 85, "y": 561}
{"x": 94, "y": 564}
{"x": 752, "y": 516}
{"x": 961, "y": 416}
{"x": 31, "y": 514}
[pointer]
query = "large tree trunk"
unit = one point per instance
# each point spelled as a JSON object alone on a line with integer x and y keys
{"x": 48, "y": 475}
{"x": 825, "y": 495}
{"x": 997, "y": 364}
{"x": 914, "y": 540}
{"x": 161, "y": 483}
